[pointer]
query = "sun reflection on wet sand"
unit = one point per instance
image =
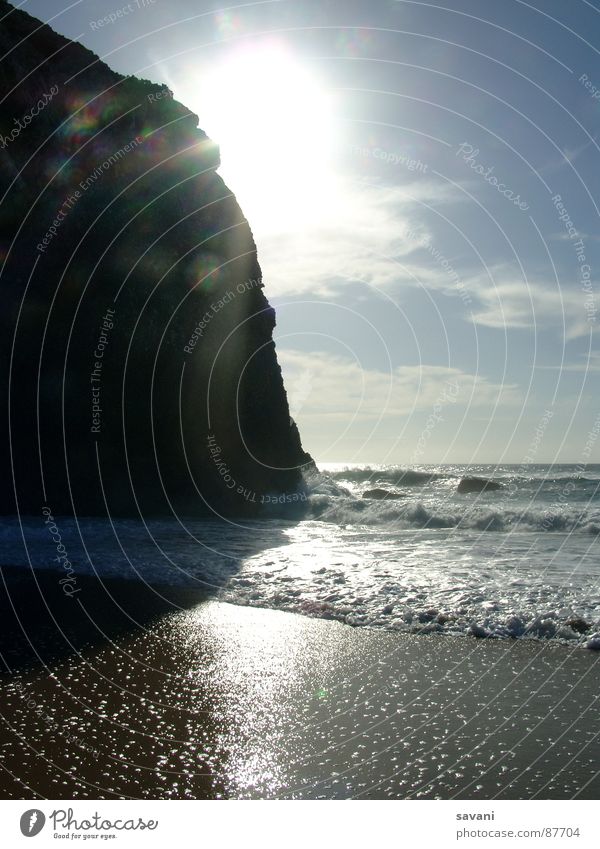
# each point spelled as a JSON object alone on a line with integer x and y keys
{"x": 266, "y": 675}
{"x": 224, "y": 701}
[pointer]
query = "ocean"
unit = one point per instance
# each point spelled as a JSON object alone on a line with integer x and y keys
{"x": 518, "y": 562}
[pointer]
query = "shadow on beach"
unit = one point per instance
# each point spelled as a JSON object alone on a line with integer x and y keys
{"x": 48, "y": 614}
{"x": 42, "y": 625}
{"x": 52, "y": 625}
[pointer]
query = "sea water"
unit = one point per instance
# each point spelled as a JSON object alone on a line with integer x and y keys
{"x": 521, "y": 561}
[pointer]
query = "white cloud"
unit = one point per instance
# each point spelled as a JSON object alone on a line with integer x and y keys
{"x": 347, "y": 412}
{"x": 507, "y": 301}
{"x": 325, "y": 386}
{"x": 357, "y": 231}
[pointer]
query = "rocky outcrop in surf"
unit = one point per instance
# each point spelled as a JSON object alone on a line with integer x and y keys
{"x": 137, "y": 339}
{"x": 379, "y": 494}
{"x": 473, "y": 484}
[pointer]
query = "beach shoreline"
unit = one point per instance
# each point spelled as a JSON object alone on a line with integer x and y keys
{"x": 185, "y": 696}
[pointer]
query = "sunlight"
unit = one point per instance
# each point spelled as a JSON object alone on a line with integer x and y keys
{"x": 272, "y": 118}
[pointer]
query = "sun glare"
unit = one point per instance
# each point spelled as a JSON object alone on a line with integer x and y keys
{"x": 272, "y": 118}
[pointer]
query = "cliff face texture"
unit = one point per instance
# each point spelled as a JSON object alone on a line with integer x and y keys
{"x": 138, "y": 367}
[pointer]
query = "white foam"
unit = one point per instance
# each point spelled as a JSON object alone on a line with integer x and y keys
{"x": 486, "y": 566}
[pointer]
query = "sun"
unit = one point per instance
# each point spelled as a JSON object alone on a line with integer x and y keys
{"x": 273, "y": 119}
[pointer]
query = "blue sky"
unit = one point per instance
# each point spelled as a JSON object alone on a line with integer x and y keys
{"x": 432, "y": 303}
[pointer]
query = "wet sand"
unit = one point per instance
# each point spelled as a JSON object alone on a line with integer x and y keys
{"x": 162, "y": 696}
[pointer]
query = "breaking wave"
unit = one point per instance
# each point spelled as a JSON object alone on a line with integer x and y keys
{"x": 415, "y": 514}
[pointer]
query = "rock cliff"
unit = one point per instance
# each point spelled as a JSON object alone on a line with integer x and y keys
{"x": 139, "y": 370}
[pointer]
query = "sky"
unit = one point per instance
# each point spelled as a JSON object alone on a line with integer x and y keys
{"x": 422, "y": 183}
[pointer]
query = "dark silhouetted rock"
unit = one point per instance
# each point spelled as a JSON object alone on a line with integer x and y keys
{"x": 144, "y": 375}
{"x": 479, "y": 631}
{"x": 381, "y": 494}
{"x": 579, "y": 625}
{"x": 471, "y": 484}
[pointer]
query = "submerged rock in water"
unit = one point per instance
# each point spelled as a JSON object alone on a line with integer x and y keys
{"x": 144, "y": 372}
{"x": 381, "y": 494}
{"x": 473, "y": 484}
{"x": 479, "y": 631}
{"x": 580, "y": 626}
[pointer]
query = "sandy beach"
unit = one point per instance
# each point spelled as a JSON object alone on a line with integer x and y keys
{"x": 183, "y": 697}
